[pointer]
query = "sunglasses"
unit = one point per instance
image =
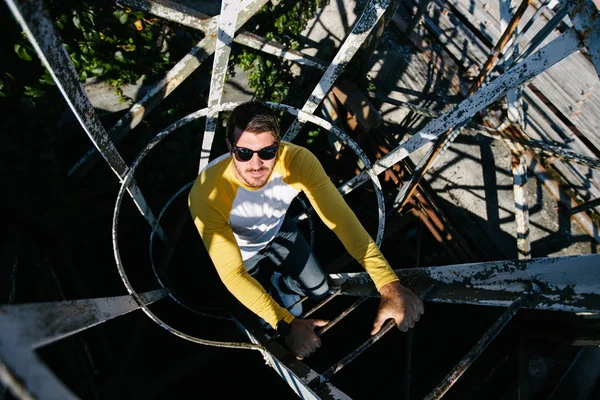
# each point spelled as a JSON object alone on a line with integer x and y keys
{"x": 266, "y": 153}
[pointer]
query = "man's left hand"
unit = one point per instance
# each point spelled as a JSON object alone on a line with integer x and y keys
{"x": 399, "y": 303}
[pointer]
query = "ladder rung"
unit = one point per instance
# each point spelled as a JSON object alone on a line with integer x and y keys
{"x": 323, "y": 302}
{"x": 350, "y": 357}
{"x": 341, "y": 316}
{"x": 368, "y": 343}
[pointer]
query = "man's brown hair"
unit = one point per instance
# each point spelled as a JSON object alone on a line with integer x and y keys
{"x": 254, "y": 117}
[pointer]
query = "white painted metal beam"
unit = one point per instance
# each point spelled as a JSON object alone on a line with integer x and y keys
{"x": 226, "y": 30}
{"x": 33, "y": 18}
{"x": 29, "y": 326}
{"x": 569, "y": 283}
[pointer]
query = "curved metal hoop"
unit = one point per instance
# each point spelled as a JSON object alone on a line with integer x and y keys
{"x": 304, "y": 117}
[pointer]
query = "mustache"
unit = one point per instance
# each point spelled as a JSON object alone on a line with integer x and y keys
{"x": 256, "y": 169}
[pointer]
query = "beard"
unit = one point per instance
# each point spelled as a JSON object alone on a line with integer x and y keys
{"x": 251, "y": 178}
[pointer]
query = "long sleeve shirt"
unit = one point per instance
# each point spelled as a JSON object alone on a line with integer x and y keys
{"x": 236, "y": 221}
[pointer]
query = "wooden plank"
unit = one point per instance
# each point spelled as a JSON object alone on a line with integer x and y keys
{"x": 475, "y": 13}
{"x": 575, "y": 95}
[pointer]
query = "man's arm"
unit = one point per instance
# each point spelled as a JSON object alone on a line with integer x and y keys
{"x": 224, "y": 252}
{"x": 397, "y": 301}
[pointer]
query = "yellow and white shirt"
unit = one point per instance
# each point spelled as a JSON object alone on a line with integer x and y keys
{"x": 236, "y": 221}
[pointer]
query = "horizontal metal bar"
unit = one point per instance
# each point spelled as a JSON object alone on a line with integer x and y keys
{"x": 365, "y": 345}
{"x": 333, "y": 295}
{"x": 568, "y": 283}
{"x": 29, "y": 326}
{"x": 538, "y": 147}
{"x": 343, "y": 314}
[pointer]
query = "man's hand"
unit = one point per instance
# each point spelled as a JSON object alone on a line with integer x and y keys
{"x": 399, "y": 303}
{"x": 302, "y": 340}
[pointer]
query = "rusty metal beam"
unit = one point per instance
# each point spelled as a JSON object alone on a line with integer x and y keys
{"x": 497, "y": 50}
{"x": 519, "y": 171}
{"x": 537, "y": 63}
{"x": 444, "y": 141}
{"x": 586, "y": 20}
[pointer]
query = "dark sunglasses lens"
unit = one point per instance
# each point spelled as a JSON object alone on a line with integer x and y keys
{"x": 268, "y": 153}
{"x": 244, "y": 154}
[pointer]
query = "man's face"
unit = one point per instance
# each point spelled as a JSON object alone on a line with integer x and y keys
{"x": 256, "y": 171}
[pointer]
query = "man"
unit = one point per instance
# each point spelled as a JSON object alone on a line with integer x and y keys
{"x": 239, "y": 204}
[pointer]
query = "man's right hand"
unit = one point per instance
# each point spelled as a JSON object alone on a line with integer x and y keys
{"x": 302, "y": 340}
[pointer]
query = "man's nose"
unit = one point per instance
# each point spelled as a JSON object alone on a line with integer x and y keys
{"x": 255, "y": 162}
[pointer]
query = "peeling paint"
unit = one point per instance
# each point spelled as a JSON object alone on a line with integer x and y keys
{"x": 535, "y": 64}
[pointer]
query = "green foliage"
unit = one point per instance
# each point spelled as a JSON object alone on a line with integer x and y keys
{"x": 282, "y": 22}
{"x": 104, "y": 40}
{"x": 118, "y": 44}
{"x": 312, "y": 135}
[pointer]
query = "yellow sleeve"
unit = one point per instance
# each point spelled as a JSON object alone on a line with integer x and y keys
{"x": 207, "y": 207}
{"x": 339, "y": 217}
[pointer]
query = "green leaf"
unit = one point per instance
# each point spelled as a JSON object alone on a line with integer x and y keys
{"x": 119, "y": 56}
{"x": 97, "y": 70}
{"x": 46, "y": 79}
{"x": 90, "y": 16}
{"x": 138, "y": 14}
{"x": 83, "y": 46}
{"x": 22, "y": 52}
{"x": 77, "y": 22}
{"x": 34, "y": 91}
{"x": 121, "y": 16}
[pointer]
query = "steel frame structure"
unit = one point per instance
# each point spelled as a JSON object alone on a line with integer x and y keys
{"x": 534, "y": 283}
